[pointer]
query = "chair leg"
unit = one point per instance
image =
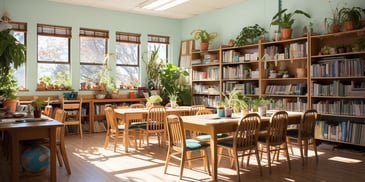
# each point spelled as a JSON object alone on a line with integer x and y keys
{"x": 206, "y": 163}
{"x": 268, "y": 157}
{"x": 80, "y": 126}
{"x": 287, "y": 155}
{"x": 235, "y": 156}
{"x": 301, "y": 150}
{"x": 188, "y": 154}
{"x": 65, "y": 158}
{"x": 106, "y": 143}
{"x": 168, "y": 157}
{"x": 258, "y": 159}
{"x": 183, "y": 158}
{"x": 315, "y": 149}
{"x": 59, "y": 156}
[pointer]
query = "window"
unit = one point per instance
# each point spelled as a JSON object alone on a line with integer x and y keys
{"x": 93, "y": 48}
{"x": 20, "y": 33}
{"x": 127, "y": 54}
{"x": 53, "y": 57}
{"x": 159, "y": 42}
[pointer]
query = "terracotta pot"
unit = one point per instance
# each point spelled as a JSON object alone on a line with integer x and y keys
{"x": 10, "y": 104}
{"x": 37, "y": 113}
{"x": 348, "y": 25}
{"x": 204, "y": 46}
{"x": 335, "y": 28}
{"x": 286, "y": 33}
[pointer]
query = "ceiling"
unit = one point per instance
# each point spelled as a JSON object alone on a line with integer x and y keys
{"x": 183, "y": 11}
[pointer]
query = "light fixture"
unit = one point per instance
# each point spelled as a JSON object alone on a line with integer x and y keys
{"x": 170, "y": 5}
{"x": 161, "y": 5}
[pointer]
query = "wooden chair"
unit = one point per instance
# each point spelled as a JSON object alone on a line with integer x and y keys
{"x": 179, "y": 145}
{"x": 155, "y": 124}
{"x": 73, "y": 109}
{"x": 115, "y": 130}
{"x": 138, "y": 124}
{"x": 137, "y": 105}
{"x": 202, "y": 136}
{"x": 304, "y": 135}
{"x": 169, "y": 104}
{"x": 244, "y": 139}
{"x": 274, "y": 138}
{"x": 195, "y": 108}
{"x": 60, "y": 141}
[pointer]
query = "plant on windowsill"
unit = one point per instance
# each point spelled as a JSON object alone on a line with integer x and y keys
{"x": 12, "y": 55}
{"x": 204, "y": 37}
{"x": 152, "y": 68}
{"x": 285, "y": 21}
{"x": 105, "y": 77}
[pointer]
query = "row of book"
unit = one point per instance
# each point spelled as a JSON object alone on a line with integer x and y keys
{"x": 345, "y": 131}
{"x": 338, "y": 67}
{"x": 205, "y": 89}
{"x": 289, "y": 89}
{"x": 337, "y": 88}
{"x": 211, "y": 101}
{"x": 236, "y": 72}
{"x": 289, "y": 104}
{"x": 245, "y": 88}
{"x": 212, "y": 73}
{"x": 340, "y": 107}
{"x": 232, "y": 56}
{"x": 293, "y": 50}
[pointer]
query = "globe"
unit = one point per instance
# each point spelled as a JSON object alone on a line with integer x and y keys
{"x": 35, "y": 158}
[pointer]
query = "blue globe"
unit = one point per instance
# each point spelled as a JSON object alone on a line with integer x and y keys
{"x": 35, "y": 158}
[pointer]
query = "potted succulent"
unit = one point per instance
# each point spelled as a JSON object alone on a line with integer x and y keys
{"x": 37, "y": 105}
{"x": 249, "y": 34}
{"x": 285, "y": 21}
{"x": 12, "y": 55}
{"x": 204, "y": 37}
{"x": 351, "y": 17}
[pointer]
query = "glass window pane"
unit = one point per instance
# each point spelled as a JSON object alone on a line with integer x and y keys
{"x": 162, "y": 50}
{"x": 92, "y": 50}
{"x": 127, "y": 76}
{"x": 19, "y": 74}
{"x": 126, "y": 53}
{"x": 89, "y": 73}
{"x": 54, "y": 49}
{"x": 58, "y": 74}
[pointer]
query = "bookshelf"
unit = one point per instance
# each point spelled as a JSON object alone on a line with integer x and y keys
{"x": 337, "y": 77}
{"x": 312, "y": 71}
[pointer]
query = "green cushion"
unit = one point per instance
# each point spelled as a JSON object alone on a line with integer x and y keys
{"x": 226, "y": 142}
{"x": 141, "y": 124}
{"x": 192, "y": 144}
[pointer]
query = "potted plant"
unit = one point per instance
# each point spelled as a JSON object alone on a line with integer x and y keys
{"x": 333, "y": 24}
{"x": 153, "y": 100}
{"x": 204, "y": 37}
{"x": 12, "y": 55}
{"x": 285, "y": 21}
{"x": 249, "y": 34}
{"x": 231, "y": 102}
{"x": 259, "y": 104}
{"x": 351, "y": 17}
{"x": 152, "y": 68}
{"x": 173, "y": 100}
{"x": 106, "y": 79}
{"x": 173, "y": 80}
{"x": 37, "y": 105}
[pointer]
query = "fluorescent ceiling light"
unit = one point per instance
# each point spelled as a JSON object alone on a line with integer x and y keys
{"x": 156, "y": 4}
{"x": 170, "y": 5}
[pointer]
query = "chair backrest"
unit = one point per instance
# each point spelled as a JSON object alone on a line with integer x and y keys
{"x": 156, "y": 118}
{"x": 307, "y": 123}
{"x": 277, "y": 128}
{"x": 246, "y": 134}
{"x": 60, "y": 116}
{"x": 195, "y": 108}
{"x": 204, "y": 111}
{"x": 169, "y": 104}
{"x": 175, "y": 132}
{"x": 137, "y": 106}
{"x": 74, "y": 107}
{"x": 110, "y": 119}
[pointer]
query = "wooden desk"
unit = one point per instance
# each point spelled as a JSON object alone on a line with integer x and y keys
{"x": 28, "y": 131}
{"x": 141, "y": 113}
{"x": 213, "y": 125}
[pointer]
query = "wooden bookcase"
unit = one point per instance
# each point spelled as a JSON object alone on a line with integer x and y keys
{"x": 319, "y": 76}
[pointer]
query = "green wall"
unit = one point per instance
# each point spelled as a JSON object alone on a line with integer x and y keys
{"x": 228, "y": 22}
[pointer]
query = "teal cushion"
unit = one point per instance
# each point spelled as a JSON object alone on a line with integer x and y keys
{"x": 207, "y": 137}
{"x": 192, "y": 144}
{"x": 121, "y": 127}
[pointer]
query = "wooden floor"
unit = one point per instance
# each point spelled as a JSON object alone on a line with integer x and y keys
{"x": 91, "y": 162}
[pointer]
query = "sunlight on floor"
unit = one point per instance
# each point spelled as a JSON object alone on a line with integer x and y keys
{"x": 345, "y": 160}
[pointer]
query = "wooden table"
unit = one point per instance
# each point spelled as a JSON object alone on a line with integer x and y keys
{"x": 128, "y": 114}
{"x": 34, "y": 129}
{"x": 213, "y": 125}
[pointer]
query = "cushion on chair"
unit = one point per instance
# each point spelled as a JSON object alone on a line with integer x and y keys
{"x": 141, "y": 124}
{"x": 192, "y": 144}
{"x": 207, "y": 136}
{"x": 121, "y": 127}
{"x": 226, "y": 142}
{"x": 292, "y": 133}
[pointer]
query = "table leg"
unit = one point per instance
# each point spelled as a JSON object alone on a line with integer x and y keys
{"x": 15, "y": 157}
{"x": 214, "y": 155}
{"x": 126, "y": 134}
{"x": 52, "y": 145}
